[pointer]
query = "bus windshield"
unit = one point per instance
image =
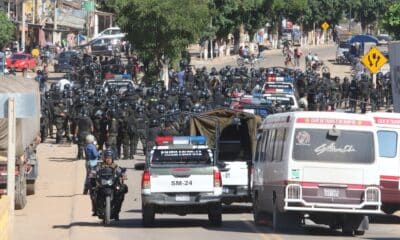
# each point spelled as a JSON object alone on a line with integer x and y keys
{"x": 317, "y": 145}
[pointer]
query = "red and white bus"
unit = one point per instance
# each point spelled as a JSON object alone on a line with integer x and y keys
{"x": 388, "y": 131}
{"x": 319, "y": 165}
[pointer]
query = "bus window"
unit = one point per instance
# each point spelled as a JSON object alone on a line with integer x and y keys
{"x": 270, "y": 145}
{"x": 387, "y": 141}
{"x": 278, "y": 144}
{"x": 258, "y": 148}
{"x": 264, "y": 145}
{"x": 316, "y": 145}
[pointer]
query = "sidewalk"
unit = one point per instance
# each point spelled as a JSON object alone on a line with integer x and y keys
{"x": 195, "y": 52}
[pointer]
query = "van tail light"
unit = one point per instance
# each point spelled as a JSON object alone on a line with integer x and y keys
{"x": 146, "y": 180}
{"x": 217, "y": 178}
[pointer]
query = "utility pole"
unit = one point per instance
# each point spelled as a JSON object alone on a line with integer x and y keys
{"x": 23, "y": 27}
{"x": 8, "y": 9}
{"x": 55, "y": 21}
{"x": 11, "y": 153}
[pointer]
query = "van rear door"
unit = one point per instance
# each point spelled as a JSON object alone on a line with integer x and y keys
{"x": 334, "y": 165}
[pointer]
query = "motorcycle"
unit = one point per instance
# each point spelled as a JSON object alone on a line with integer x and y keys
{"x": 252, "y": 61}
{"x": 104, "y": 194}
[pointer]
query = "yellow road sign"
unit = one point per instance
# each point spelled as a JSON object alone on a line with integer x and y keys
{"x": 374, "y": 60}
{"x": 325, "y": 25}
{"x": 35, "y": 52}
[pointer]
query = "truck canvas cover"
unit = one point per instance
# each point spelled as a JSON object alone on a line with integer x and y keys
{"x": 213, "y": 123}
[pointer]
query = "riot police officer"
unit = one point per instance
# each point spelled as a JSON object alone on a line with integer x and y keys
{"x": 84, "y": 127}
{"x": 141, "y": 123}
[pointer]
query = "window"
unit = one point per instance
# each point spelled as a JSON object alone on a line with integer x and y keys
{"x": 116, "y": 31}
{"x": 258, "y": 148}
{"x": 316, "y": 145}
{"x": 387, "y": 141}
{"x": 181, "y": 156}
{"x": 264, "y": 146}
{"x": 279, "y": 143}
{"x": 270, "y": 145}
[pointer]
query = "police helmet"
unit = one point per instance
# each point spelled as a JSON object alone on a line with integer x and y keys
{"x": 154, "y": 122}
{"x": 108, "y": 153}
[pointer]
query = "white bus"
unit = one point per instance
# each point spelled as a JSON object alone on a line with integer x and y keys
{"x": 388, "y": 131}
{"x": 319, "y": 165}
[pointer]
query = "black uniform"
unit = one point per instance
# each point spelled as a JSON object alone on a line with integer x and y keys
{"x": 84, "y": 128}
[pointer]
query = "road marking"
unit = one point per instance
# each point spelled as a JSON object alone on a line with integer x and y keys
{"x": 268, "y": 235}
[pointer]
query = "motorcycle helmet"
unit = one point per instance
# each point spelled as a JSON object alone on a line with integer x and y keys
{"x": 108, "y": 153}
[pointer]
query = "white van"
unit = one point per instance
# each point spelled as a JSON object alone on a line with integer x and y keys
{"x": 320, "y": 165}
{"x": 388, "y": 131}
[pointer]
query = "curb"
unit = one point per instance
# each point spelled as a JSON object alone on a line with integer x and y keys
{"x": 5, "y": 224}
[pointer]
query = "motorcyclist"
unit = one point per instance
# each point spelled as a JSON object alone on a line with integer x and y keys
{"x": 121, "y": 188}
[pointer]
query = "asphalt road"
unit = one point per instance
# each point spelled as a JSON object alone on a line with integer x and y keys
{"x": 60, "y": 211}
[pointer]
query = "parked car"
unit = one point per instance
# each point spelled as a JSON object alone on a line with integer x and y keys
{"x": 22, "y": 62}
{"x": 63, "y": 61}
{"x": 106, "y": 46}
{"x": 383, "y": 39}
{"x": 112, "y": 31}
{"x": 341, "y": 50}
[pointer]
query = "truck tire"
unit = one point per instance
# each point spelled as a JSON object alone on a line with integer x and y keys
{"x": 107, "y": 211}
{"x": 284, "y": 220}
{"x": 215, "y": 214}
{"x": 20, "y": 191}
{"x": 30, "y": 187}
{"x": 148, "y": 215}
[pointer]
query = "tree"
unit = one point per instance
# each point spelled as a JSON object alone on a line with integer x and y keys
{"x": 319, "y": 11}
{"x": 228, "y": 16}
{"x": 391, "y": 20}
{"x": 161, "y": 30}
{"x": 7, "y": 29}
{"x": 368, "y": 11}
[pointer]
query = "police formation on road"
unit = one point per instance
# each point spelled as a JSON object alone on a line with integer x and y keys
{"x": 120, "y": 118}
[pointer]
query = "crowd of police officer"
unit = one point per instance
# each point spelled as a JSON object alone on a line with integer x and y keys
{"x": 120, "y": 119}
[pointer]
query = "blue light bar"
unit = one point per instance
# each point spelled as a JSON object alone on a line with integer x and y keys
{"x": 195, "y": 140}
{"x": 126, "y": 76}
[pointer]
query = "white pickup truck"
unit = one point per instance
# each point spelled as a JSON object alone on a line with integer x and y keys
{"x": 181, "y": 177}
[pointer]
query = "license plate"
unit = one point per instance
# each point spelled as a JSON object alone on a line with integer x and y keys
{"x": 329, "y": 192}
{"x": 182, "y": 198}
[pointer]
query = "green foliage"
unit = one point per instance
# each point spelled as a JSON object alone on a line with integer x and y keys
{"x": 7, "y": 29}
{"x": 229, "y": 15}
{"x": 161, "y": 30}
{"x": 391, "y": 20}
{"x": 319, "y": 11}
{"x": 368, "y": 11}
{"x": 290, "y": 9}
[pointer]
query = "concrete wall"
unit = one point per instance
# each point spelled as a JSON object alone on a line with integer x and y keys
{"x": 4, "y": 218}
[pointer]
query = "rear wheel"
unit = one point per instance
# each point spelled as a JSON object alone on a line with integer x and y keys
{"x": 359, "y": 233}
{"x": 107, "y": 211}
{"x": 215, "y": 214}
{"x": 25, "y": 71}
{"x": 389, "y": 209}
{"x": 284, "y": 220}
{"x": 148, "y": 215}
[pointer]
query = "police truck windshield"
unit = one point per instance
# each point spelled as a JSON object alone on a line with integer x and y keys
{"x": 181, "y": 156}
{"x": 317, "y": 145}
